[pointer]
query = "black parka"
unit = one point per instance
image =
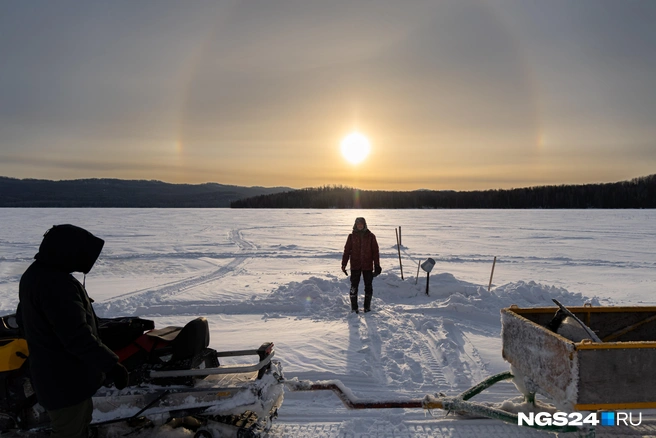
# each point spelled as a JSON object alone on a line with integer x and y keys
{"x": 67, "y": 358}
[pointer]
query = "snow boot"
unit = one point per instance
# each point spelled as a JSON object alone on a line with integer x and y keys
{"x": 367, "y": 303}
{"x": 354, "y": 304}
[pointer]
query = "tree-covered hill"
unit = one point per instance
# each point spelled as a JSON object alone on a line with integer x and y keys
{"x": 121, "y": 193}
{"x": 636, "y": 193}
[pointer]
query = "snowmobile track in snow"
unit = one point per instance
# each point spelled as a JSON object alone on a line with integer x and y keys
{"x": 155, "y": 295}
{"x": 434, "y": 370}
{"x": 437, "y": 353}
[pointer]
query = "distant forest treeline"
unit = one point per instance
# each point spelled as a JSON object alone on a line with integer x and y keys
{"x": 636, "y": 193}
{"x": 110, "y": 193}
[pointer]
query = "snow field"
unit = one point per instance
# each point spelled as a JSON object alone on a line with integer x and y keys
{"x": 274, "y": 275}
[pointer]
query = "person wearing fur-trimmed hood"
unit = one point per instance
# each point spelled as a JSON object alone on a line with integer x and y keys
{"x": 362, "y": 250}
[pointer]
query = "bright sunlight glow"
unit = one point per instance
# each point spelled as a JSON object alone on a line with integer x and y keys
{"x": 355, "y": 147}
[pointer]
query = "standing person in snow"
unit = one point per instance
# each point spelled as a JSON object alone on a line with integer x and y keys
{"x": 68, "y": 361}
{"x": 362, "y": 248}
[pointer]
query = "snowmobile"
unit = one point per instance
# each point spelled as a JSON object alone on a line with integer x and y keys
{"x": 174, "y": 377}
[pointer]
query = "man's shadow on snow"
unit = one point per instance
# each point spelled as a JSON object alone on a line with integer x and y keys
{"x": 363, "y": 354}
{"x": 354, "y": 355}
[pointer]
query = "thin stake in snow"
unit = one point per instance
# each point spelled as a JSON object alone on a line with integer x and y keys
{"x": 398, "y": 246}
{"x": 492, "y": 274}
{"x": 417, "y": 277}
{"x": 400, "y": 237}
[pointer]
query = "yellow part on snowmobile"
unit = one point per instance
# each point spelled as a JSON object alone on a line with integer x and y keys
{"x": 12, "y": 354}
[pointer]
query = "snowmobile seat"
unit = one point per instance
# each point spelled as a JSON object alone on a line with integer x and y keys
{"x": 166, "y": 348}
{"x": 117, "y": 333}
{"x": 187, "y": 341}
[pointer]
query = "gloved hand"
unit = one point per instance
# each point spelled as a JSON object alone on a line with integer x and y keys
{"x": 344, "y": 270}
{"x": 119, "y": 375}
{"x": 377, "y": 270}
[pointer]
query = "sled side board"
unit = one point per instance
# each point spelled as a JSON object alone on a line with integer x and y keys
{"x": 550, "y": 362}
{"x": 615, "y": 374}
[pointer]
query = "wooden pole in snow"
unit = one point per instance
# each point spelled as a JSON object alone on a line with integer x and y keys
{"x": 417, "y": 277}
{"x": 400, "y": 237}
{"x": 398, "y": 246}
{"x": 492, "y": 274}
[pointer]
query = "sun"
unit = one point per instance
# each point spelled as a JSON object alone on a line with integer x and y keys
{"x": 355, "y": 147}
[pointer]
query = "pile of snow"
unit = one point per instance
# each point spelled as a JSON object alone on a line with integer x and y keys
{"x": 326, "y": 298}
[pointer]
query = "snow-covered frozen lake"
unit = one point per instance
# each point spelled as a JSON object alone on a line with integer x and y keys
{"x": 274, "y": 275}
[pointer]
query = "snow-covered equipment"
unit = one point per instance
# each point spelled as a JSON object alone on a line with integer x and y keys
{"x": 615, "y": 372}
{"x": 428, "y": 267}
{"x": 173, "y": 376}
{"x": 461, "y": 403}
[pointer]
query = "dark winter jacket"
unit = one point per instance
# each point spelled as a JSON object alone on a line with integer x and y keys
{"x": 67, "y": 358}
{"x": 362, "y": 248}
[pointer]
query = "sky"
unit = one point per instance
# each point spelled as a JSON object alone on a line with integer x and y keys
{"x": 452, "y": 94}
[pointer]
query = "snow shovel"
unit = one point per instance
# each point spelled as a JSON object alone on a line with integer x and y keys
{"x": 428, "y": 267}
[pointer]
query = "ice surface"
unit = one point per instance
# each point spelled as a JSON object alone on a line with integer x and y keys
{"x": 274, "y": 275}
